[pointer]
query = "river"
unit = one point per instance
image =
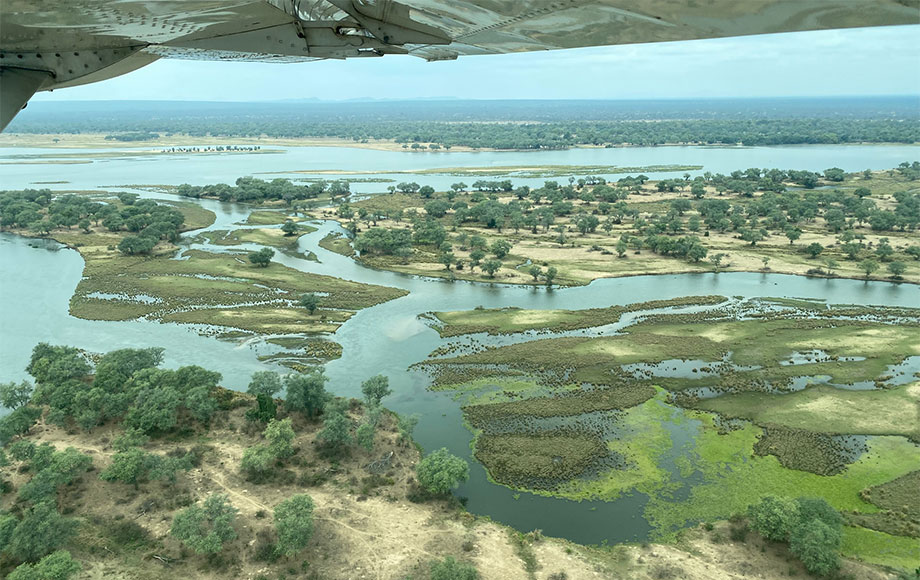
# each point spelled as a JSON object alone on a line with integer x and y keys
{"x": 38, "y": 277}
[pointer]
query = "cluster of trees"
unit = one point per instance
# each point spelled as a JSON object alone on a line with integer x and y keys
{"x": 205, "y": 528}
{"x": 133, "y": 136}
{"x": 125, "y": 384}
{"x": 541, "y": 128}
{"x": 811, "y": 526}
{"x": 41, "y": 211}
{"x": 254, "y": 190}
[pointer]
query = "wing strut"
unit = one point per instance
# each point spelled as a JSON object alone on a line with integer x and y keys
{"x": 17, "y": 85}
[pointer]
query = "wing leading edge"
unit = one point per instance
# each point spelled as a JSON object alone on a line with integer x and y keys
{"x": 49, "y": 44}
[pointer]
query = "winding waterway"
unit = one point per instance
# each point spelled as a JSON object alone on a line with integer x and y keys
{"x": 37, "y": 279}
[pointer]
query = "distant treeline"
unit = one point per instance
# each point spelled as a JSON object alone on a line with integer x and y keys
{"x": 508, "y": 124}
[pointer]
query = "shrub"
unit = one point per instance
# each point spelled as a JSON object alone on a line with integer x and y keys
{"x": 206, "y": 528}
{"x": 440, "y": 471}
{"x": 294, "y": 523}
{"x": 451, "y": 569}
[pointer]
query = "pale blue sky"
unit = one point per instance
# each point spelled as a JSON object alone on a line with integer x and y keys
{"x": 867, "y": 61}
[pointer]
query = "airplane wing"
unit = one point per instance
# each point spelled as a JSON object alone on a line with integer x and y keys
{"x": 50, "y": 44}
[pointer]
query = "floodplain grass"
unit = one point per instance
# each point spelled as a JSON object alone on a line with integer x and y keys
{"x": 271, "y": 237}
{"x": 510, "y": 320}
{"x": 825, "y": 409}
{"x": 879, "y": 548}
{"x": 266, "y": 218}
{"x": 697, "y": 465}
{"x": 337, "y": 243}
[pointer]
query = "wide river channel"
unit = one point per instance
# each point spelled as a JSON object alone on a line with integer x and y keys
{"x": 37, "y": 279}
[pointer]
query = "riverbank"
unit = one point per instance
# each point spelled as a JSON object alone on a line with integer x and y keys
{"x": 123, "y": 531}
{"x": 219, "y": 294}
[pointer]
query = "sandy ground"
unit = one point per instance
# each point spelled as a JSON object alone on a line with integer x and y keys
{"x": 97, "y": 141}
{"x": 379, "y": 536}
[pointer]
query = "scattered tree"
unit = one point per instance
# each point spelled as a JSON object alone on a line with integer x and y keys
{"x": 206, "y": 528}
{"x": 439, "y": 472}
{"x": 294, "y": 523}
{"x": 262, "y": 258}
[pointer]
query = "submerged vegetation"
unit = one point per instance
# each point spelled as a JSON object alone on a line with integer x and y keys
{"x": 598, "y": 417}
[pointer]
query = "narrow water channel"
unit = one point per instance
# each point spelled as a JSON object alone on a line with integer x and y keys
{"x": 37, "y": 279}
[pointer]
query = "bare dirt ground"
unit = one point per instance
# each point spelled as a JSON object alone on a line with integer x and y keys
{"x": 372, "y": 534}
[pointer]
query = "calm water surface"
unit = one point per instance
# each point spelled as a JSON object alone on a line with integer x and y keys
{"x": 37, "y": 279}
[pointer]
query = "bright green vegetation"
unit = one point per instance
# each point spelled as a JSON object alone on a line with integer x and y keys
{"x": 567, "y": 417}
{"x": 439, "y": 471}
{"x": 880, "y": 548}
{"x": 218, "y": 289}
{"x": 510, "y": 320}
{"x": 338, "y": 244}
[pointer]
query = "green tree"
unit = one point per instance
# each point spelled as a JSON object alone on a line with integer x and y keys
{"x": 406, "y": 425}
{"x": 336, "y": 426}
{"x": 492, "y": 266}
{"x": 262, "y": 258}
{"x": 13, "y": 396}
{"x": 264, "y": 383}
{"x": 868, "y": 266}
{"x": 294, "y": 523}
{"x": 375, "y": 389}
{"x": 550, "y": 275}
{"x": 289, "y": 228}
{"x": 58, "y": 565}
{"x": 310, "y": 301}
{"x": 306, "y": 393}
{"x": 897, "y": 269}
{"x": 774, "y": 517}
{"x": 257, "y": 462}
{"x": 851, "y": 249}
{"x": 883, "y": 250}
{"x": 132, "y": 245}
{"x": 815, "y": 543}
{"x": 439, "y": 472}
{"x": 280, "y": 436}
{"x": 41, "y": 530}
{"x": 206, "y": 528}
{"x": 535, "y": 271}
{"x": 129, "y": 466}
{"x": 451, "y": 569}
{"x": 500, "y": 248}
{"x": 814, "y": 249}
{"x": 793, "y": 234}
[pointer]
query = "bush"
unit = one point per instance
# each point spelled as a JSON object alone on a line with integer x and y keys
{"x": 56, "y": 566}
{"x": 440, "y": 471}
{"x": 206, "y": 528}
{"x": 451, "y": 569}
{"x": 774, "y": 517}
{"x": 294, "y": 523}
{"x": 815, "y": 544}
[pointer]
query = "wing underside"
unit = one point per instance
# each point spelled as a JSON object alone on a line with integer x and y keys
{"x": 53, "y": 43}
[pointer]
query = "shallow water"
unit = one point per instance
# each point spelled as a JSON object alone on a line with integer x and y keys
{"x": 37, "y": 279}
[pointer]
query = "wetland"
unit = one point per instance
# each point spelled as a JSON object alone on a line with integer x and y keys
{"x": 620, "y": 409}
